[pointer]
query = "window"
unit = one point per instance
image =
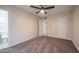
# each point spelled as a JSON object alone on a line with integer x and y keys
{"x": 3, "y": 26}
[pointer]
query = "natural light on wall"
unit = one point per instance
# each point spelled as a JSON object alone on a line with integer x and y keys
{"x": 3, "y": 29}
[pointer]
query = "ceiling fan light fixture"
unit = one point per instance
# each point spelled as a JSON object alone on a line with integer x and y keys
{"x": 42, "y": 11}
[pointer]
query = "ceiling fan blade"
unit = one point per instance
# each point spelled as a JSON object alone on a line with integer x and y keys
{"x": 50, "y": 7}
{"x": 41, "y": 6}
{"x": 37, "y": 12}
{"x": 35, "y": 7}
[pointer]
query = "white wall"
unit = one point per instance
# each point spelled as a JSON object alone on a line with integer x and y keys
{"x": 76, "y": 27}
{"x": 59, "y": 25}
{"x": 22, "y": 25}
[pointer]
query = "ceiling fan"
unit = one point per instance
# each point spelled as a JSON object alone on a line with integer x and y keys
{"x": 42, "y": 9}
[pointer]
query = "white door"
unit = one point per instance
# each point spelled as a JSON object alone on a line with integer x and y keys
{"x": 43, "y": 28}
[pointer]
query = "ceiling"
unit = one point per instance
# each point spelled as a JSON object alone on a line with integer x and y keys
{"x": 58, "y": 9}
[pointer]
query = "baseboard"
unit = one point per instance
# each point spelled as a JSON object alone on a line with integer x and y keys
{"x": 60, "y": 37}
{"x": 10, "y": 45}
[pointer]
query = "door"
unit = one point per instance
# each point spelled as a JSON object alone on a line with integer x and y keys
{"x": 43, "y": 27}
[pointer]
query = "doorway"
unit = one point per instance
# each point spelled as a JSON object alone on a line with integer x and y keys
{"x": 43, "y": 27}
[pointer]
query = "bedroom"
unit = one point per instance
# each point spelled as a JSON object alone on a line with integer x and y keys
{"x": 60, "y": 24}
